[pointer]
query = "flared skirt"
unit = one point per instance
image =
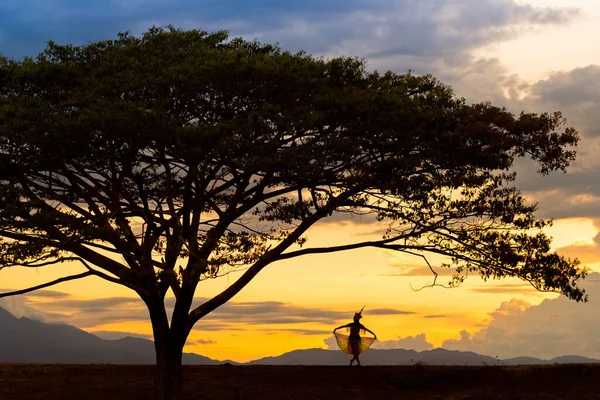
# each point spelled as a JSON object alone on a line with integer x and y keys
{"x": 354, "y": 345}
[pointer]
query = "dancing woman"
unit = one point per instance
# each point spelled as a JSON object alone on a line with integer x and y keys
{"x": 354, "y": 343}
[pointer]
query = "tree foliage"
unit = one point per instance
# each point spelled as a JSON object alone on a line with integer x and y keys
{"x": 162, "y": 160}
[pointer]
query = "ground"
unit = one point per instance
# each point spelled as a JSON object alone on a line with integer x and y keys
{"x": 112, "y": 382}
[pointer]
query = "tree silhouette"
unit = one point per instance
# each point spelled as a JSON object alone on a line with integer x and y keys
{"x": 163, "y": 160}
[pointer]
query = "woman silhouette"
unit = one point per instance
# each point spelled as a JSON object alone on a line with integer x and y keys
{"x": 353, "y": 343}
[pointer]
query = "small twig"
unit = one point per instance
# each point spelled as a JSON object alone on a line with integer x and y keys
{"x": 435, "y": 274}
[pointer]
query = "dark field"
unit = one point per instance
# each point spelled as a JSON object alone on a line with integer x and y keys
{"x": 111, "y": 382}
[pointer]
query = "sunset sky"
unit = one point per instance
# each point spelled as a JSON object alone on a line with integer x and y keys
{"x": 534, "y": 55}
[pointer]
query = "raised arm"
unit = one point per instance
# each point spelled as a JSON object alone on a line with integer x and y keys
{"x": 343, "y": 326}
{"x": 370, "y": 331}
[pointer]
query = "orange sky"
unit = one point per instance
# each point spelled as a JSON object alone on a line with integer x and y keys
{"x": 342, "y": 282}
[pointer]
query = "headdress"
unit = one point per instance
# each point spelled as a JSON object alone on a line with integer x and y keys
{"x": 359, "y": 314}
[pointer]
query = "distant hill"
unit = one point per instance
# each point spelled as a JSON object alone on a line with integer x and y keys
{"x": 29, "y": 341}
{"x": 407, "y": 357}
{"x": 24, "y": 340}
{"x": 378, "y": 357}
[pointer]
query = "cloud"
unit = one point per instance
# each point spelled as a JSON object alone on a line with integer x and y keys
{"x": 301, "y": 331}
{"x": 86, "y": 313}
{"x": 272, "y": 312}
{"x": 201, "y": 342}
{"x": 103, "y": 304}
{"x": 577, "y": 93}
{"x": 424, "y": 36}
{"x": 115, "y": 335}
{"x": 417, "y": 343}
{"x": 53, "y": 294}
{"x": 388, "y": 311}
{"x": 368, "y": 220}
{"x": 482, "y": 79}
{"x": 90, "y": 313}
{"x": 553, "y": 328}
{"x": 19, "y": 307}
{"x": 509, "y": 288}
{"x": 586, "y": 253}
{"x": 437, "y": 37}
{"x": 330, "y": 343}
{"x": 418, "y": 270}
{"x": 574, "y": 199}
{"x": 414, "y": 29}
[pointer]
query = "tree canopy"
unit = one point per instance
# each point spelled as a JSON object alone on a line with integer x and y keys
{"x": 163, "y": 160}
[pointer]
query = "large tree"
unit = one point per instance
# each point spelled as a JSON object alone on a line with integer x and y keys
{"x": 164, "y": 160}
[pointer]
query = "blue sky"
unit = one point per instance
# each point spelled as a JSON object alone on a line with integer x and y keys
{"x": 25, "y": 25}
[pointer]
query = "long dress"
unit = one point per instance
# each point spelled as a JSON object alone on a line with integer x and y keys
{"x": 354, "y": 343}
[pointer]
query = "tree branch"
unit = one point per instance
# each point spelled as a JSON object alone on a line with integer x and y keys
{"x": 45, "y": 285}
{"x": 267, "y": 258}
{"x": 332, "y": 249}
{"x": 114, "y": 280}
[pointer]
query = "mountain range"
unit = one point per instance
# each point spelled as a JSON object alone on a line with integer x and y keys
{"x": 24, "y": 340}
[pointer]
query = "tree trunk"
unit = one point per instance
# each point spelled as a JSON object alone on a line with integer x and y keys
{"x": 168, "y": 345}
{"x": 168, "y": 372}
{"x": 169, "y": 341}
